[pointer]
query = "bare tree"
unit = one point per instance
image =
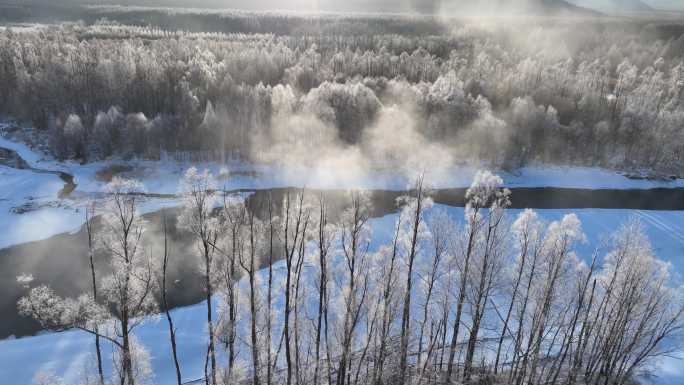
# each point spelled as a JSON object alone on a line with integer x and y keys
{"x": 524, "y": 237}
{"x": 269, "y": 296}
{"x": 131, "y": 284}
{"x": 198, "y": 194}
{"x": 295, "y": 215}
{"x": 441, "y": 232}
{"x": 389, "y": 269}
{"x": 355, "y": 241}
{"x": 326, "y": 235}
{"x": 249, "y": 264}
{"x": 483, "y": 192}
{"x": 529, "y": 229}
{"x": 233, "y": 216}
{"x": 89, "y": 215}
{"x": 165, "y": 304}
{"x": 128, "y": 290}
{"x": 556, "y": 257}
{"x": 416, "y": 220}
{"x": 642, "y": 312}
{"x": 487, "y": 262}
{"x": 584, "y": 278}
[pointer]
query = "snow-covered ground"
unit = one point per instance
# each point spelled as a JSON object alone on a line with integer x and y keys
{"x": 24, "y": 187}
{"x": 68, "y": 354}
{"x": 164, "y": 177}
{"x": 30, "y": 209}
{"x": 50, "y": 215}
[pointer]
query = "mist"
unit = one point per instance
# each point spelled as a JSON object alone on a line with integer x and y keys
{"x": 376, "y": 6}
{"x": 425, "y": 7}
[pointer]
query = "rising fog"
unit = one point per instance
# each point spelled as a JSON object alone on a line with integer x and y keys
{"x": 389, "y": 93}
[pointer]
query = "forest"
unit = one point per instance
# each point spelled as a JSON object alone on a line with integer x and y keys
{"x": 120, "y": 123}
{"x": 281, "y": 88}
{"x": 482, "y": 299}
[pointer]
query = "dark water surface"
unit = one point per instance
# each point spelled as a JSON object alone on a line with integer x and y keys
{"x": 61, "y": 261}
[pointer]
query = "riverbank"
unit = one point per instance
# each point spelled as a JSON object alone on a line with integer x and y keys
{"x": 35, "y": 205}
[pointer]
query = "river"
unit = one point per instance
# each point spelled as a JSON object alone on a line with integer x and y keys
{"x": 61, "y": 261}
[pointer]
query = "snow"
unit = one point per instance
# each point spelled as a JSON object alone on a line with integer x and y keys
{"x": 164, "y": 177}
{"x": 47, "y": 215}
{"x": 68, "y": 353}
{"x": 580, "y": 177}
{"x": 669, "y": 370}
{"x": 21, "y": 187}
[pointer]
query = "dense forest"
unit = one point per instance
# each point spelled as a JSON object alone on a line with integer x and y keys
{"x": 592, "y": 92}
{"x": 487, "y": 298}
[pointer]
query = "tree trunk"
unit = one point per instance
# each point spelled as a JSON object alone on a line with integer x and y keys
{"x": 165, "y": 305}
{"x": 459, "y": 304}
{"x": 406, "y": 316}
{"x": 269, "y": 299}
{"x": 98, "y": 351}
{"x": 386, "y": 314}
{"x": 322, "y": 295}
{"x": 210, "y": 323}
{"x": 510, "y": 306}
{"x": 252, "y": 302}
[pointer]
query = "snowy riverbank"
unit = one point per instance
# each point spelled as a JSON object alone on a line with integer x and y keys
{"x": 31, "y": 210}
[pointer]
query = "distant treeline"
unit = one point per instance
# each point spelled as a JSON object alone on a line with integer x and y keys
{"x": 225, "y": 21}
{"x": 579, "y": 92}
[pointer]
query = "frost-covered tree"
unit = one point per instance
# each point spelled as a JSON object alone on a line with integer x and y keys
{"x": 414, "y": 208}
{"x": 635, "y": 310}
{"x": 324, "y": 239}
{"x": 293, "y": 224}
{"x": 162, "y": 278}
{"x": 76, "y": 137}
{"x": 249, "y": 261}
{"x": 131, "y": 285}
{"x": 127, "y": 292}
{"x": 233, "y": 217}
{"x": 485, "y": 204}
{"x": 557, "y": 260}
{"x": 432, "y": 270}
{"x": 353, "y": 276}
{"x": 198, "y": 193}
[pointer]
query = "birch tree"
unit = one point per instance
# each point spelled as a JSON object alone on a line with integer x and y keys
{"x": 127, "y": 292}
{"x": 324, "y": 242}
{"x": 197, "y": 191}
{"x": 487, "y": 259}
{"x": 355, "y": 241}
{"x": 484, "y": 192}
